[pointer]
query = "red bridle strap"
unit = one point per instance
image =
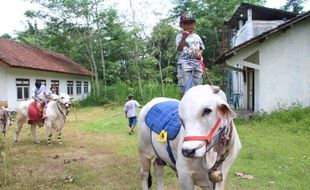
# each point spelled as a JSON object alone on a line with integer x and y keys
{"x": 204, "y": 138}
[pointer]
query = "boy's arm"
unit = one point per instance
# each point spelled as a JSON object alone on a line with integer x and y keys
{"x": 182, "y": 42}
{"x": 125, "y": 109}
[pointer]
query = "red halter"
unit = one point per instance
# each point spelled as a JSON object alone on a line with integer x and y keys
{"x": 204, "y": 138}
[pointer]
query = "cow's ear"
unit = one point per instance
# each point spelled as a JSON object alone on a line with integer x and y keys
{"x": 225, "y": 112}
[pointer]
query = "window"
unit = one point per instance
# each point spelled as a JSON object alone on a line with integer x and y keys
{"x": 78, "y": 87}
{"x": 56, "y": 84}
{"x": 70, "y": 87}
{"x": 22, "y": 86}
{"x": 42, "y": 81}
{"x": 85, "y": 87}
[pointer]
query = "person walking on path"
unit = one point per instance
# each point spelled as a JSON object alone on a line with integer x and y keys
{"x": 130, "y": 112}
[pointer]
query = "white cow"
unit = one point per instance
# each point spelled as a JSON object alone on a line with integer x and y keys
{"x": 5, "y": 120}
{"x": 56, "y": 112}
{"x": 203, "y": 109}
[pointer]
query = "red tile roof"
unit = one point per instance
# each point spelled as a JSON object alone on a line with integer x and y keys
{"x": 18, "y": 55}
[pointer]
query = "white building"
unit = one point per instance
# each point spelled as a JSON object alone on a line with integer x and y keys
{"x": 21, "y": 66}
{"x": 270, "y": 59}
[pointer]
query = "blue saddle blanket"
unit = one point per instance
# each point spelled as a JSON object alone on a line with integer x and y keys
{"x": 164, "y": 116}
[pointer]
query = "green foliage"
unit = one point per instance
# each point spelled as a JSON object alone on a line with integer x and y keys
{"x": 295, "y": 6}
{"x": 294, "y": 120}
{"x": 119, "y": 91}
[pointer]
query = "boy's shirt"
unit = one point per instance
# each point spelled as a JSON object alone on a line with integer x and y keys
{"x": 130, "y": 108}
{"x": 187, "y": 56}
{"x": 39, "y": 93}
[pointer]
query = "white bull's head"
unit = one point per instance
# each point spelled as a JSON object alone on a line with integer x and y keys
{"x": 65, "y": 100}
{"x": 203, "y": 109}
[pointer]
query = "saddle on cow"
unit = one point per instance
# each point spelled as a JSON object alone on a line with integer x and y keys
{"x": 35, "y": 112}
{"x": 163, "y": 119}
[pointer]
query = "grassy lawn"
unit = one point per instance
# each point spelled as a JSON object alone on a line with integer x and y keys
{"x": 99, "y": 154}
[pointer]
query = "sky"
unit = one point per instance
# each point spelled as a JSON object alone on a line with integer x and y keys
{"x": 148, "y": 11}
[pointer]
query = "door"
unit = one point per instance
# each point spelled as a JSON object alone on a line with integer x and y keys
{"x": 250, "y": 89}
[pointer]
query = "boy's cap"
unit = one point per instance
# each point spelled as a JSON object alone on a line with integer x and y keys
{"x": 187, "y": 17}
{"x": 130, "y": 95}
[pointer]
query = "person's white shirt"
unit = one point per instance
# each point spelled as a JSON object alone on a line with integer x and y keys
{"x": 39, "y": 93}
{"x": 130, "y": 108}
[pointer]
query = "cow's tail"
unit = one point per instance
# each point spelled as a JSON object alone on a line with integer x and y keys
{"x": 149, "y": 180}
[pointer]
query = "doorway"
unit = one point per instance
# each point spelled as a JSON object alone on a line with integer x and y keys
{"x": 250, "y": 88}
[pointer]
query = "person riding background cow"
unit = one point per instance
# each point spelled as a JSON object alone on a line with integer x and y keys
{"x": 42, "y": 95}
{"x": 189, "y": 44}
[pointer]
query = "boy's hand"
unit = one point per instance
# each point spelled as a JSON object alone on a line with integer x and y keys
{"x": 198, "y": 55}
{"x": 185, "y": 34}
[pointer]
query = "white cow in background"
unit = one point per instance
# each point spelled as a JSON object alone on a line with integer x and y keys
{"x": 203, "y": 109}
{"x": 56, "y": 112}
{"x": 5, "y": 120}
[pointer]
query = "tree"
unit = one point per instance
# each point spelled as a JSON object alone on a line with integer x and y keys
{"x": 162, "y": 46}
{"x": 294, "y": 5}
{"x": 86, "y": 31}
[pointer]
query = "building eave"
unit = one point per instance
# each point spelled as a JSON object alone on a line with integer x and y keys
{"x": 262, "y": 37}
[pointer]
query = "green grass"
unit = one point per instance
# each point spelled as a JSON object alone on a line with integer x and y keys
{"x": 275, "y": 150}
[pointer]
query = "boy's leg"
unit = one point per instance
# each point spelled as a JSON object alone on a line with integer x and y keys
{"x": 181, "y": 79}
{"x": 133, "y": 124}
{"x": 198, "y": 77}
{"x": 129, "y": 125}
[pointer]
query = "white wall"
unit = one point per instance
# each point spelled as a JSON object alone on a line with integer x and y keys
{"x": 3, "y": 87}
{"x": 285, "y": 68}
{"x": 13, "y": 73}
{"x": 283, "y": 77}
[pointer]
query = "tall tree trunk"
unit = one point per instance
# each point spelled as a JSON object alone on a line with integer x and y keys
{"x": 101, "y": 49}
{"x": 136, "y": 60}
{"x": 103, "y": 69}
{"x": 161, "y": 75}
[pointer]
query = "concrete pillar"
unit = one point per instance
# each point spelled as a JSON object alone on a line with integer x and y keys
{"x": 249, "y": 12}
{"x": 240, "y": 24}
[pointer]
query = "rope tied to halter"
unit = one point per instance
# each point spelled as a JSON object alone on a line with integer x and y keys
{"x": 62, "y": 113}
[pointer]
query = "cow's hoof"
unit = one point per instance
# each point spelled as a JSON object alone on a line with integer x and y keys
{"x": 15, "y": 141}
{"x": 60, "y": 142}
{"x": 37, "y": 142}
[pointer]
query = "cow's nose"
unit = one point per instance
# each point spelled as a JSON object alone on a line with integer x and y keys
{"x": 188, "y": 152}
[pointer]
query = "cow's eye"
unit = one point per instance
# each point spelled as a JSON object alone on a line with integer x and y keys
{"x": 206, "y": 111}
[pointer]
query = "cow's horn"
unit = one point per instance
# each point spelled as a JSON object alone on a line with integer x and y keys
{"x": 215, "y": 89}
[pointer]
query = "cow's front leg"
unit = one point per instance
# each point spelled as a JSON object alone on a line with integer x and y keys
{"x": 186, "y": 182}
{"x": 20, "y": 123}
{"x": 185, "y": 177}
{"x": 59, "y": 138}
{"x": 49, "y": 134}
{"x": 34, "y": 133}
